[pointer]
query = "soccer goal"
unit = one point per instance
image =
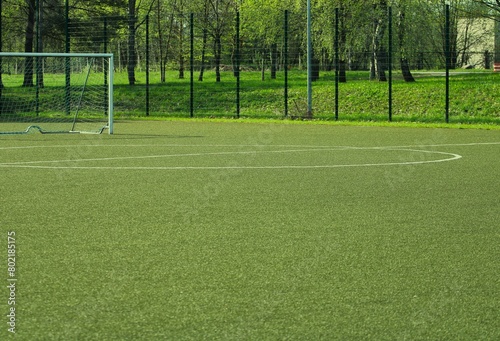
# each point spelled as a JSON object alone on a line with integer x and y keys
{"x": 56, "y": 93}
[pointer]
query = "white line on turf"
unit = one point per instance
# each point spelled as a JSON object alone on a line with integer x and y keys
{"x": 164, "y": 156}
{"x": 39, "y": 163}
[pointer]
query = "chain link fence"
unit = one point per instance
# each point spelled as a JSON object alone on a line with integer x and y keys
{"x": 200, "y": 65}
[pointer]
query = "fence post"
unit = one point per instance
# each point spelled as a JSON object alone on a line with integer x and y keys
{"x": 496, "y": 55}
{"x": 448, "y": 60}
{"x": 147, "y": 65}
{"x": 337, "y": 66}
{"x": 309, "y": 113}
{"x": 285, "y": 61}
{"x": 390, "y": 61}
{"x": 37, "y": 59}
{"x": 191, "y": 66}
{"x": 1, "y": 61}
{"x": 106, "y": 66}
{"x": 237, "y": 64}
{"x": 67, "y": 69}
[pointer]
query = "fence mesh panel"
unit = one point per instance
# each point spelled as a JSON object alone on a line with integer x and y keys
{"x": 179, "y": 64}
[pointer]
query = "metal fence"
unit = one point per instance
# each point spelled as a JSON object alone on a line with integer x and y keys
{"x": 188, "y": 66}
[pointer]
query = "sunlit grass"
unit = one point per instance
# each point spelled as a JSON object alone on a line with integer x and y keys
{"x": 111, "y": 246}
{"x": 472, "y": 96}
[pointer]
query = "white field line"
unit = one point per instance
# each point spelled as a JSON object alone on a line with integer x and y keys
{"x": 37, "y": 164}
{"x": 164, "y": 156}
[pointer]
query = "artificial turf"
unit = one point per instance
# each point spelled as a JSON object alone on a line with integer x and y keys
{"x": 190, "y": 230}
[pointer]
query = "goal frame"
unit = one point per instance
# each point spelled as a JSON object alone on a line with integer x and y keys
{"x": 110, "y": 79}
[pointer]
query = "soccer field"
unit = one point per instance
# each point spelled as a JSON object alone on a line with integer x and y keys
{"x": 196, "y": 230}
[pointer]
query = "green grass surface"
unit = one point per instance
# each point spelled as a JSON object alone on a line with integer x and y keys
{"x": 472, "y": 96}
{"x": 190, "y": 230}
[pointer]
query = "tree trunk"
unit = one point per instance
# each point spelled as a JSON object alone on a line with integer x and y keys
{"x": 274, "y": 60}
{"x": 164, "y": 51}
{"x": 341, "y": 45}
{"x": 206, "y": 24}
{"x": 263, "y": 67}
{"x": 203, "y": 52}
{"x": 217, "y": 55}
{"x": 405, "y": 65}
{"x": 39, "y": 47}
{"x": 315, "y": 68}
{"x": 160, "y": 42}
{"x": 378, "y": 51}
{"x": 405, "y": 69}
{"x": 342, "y": 71}
{"x": 453, "y": 38}
{"x": 28, "y": 44}
{"x": 181, "y": 49}
{"x": 132, "y": 58}
{"x": 1, "y": 64}
{"x": 496, "y": 53}
{"x": 420, "y": 61}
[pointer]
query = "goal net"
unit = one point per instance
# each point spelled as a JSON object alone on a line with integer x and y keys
{"x": 56, "y": 93}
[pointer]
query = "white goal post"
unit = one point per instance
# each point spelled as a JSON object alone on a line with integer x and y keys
{"x": 56, "y": 92}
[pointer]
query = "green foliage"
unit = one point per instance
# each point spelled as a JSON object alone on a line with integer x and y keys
{"x": 472, "y": 97}
{"x": 261, "y": 28}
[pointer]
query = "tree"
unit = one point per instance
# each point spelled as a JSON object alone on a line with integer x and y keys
{"x": 181, "y": 33}
{"x": 132, "y": 57}
{"x": 263, "y": 31}
{"x": 353, "y": 30}
{"x": 403, "y": 58}
{"x": 379, "y": 52}
{"x": 220, "y": 15}
{"x": 28, "y": 42}
{"x": 39, "y": 42}
{"x": 165, "y": 33}
{"x": 204, "y": 28}
{"x": 418, "y": 32}
{"x": 1, "y": 49}
{"x": 342, "y": 38}
{"x": 133, "y": 25}
{"x": 493, "y": 5}
{"x": 453, "y": 37}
